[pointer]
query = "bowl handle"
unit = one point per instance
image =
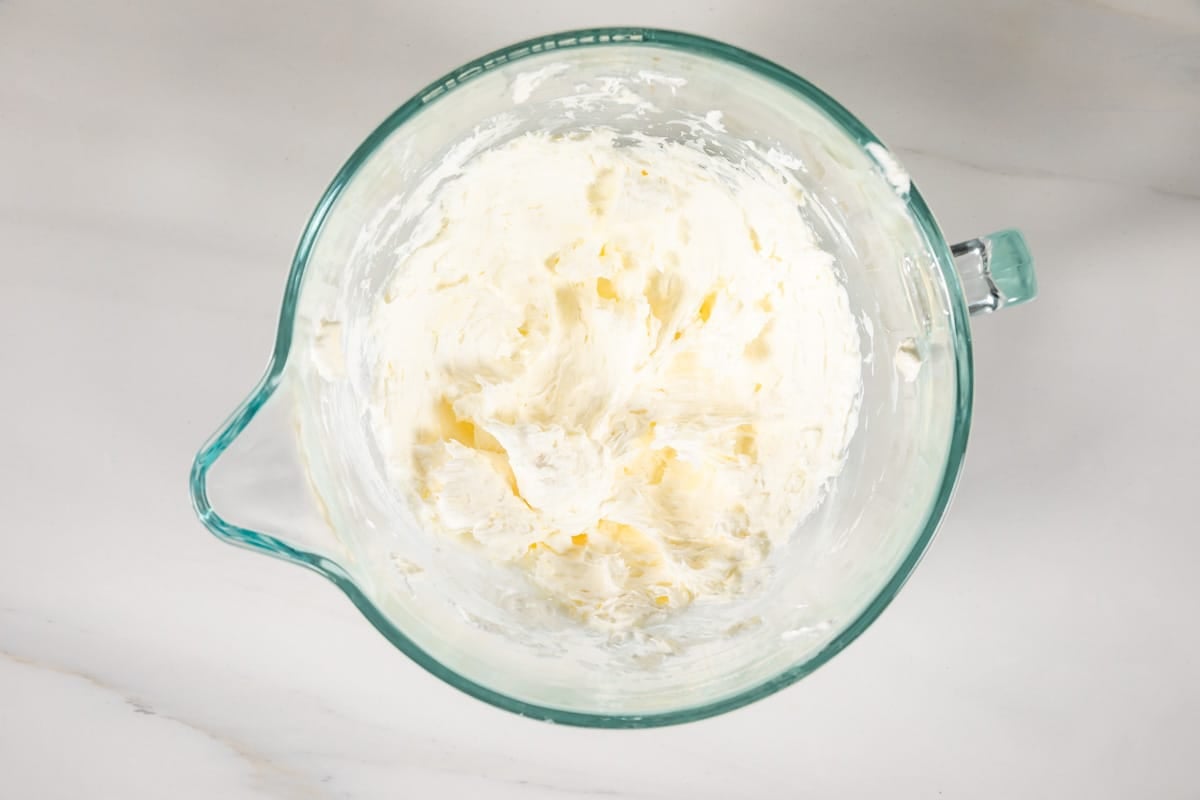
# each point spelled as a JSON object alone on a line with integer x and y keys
{"x": 996, "y": 271}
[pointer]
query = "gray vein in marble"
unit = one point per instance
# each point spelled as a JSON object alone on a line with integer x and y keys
{"x": 275, "y": 776}
{"x": 1036, "y": 173}
{"x": 270, "y": 774}
{"x": 1143, "y": 14}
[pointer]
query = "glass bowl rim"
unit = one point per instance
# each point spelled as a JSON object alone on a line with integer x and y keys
{"x": 436, "y": 91}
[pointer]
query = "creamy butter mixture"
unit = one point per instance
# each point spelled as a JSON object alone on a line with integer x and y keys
{"x": 620, "y": 365}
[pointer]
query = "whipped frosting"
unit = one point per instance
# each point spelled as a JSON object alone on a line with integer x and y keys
{"x": 618, "y": 364}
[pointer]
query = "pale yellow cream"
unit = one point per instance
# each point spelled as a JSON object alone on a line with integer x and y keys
{"x": 626, "y": 370}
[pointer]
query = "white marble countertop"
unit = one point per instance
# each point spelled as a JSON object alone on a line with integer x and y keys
{"x": 157, "y": 162}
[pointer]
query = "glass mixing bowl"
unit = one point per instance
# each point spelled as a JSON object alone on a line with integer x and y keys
{"x": 295, "y": 471}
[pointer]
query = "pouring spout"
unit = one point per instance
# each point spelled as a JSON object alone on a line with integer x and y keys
{"x": 249, "y": 484}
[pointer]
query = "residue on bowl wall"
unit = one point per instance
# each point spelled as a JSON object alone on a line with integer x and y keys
{"x": 895, "y": 174}
{"x": 525, "y": 83}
